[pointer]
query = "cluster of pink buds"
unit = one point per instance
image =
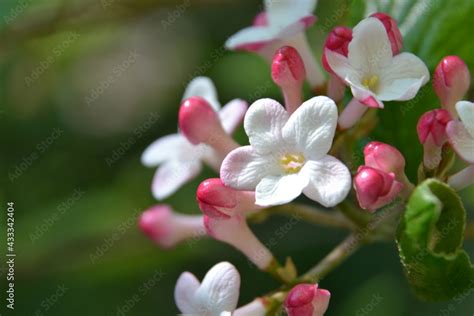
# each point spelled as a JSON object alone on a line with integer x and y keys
{"x": 451, "y": 81}
{"x": 382, "y": 178}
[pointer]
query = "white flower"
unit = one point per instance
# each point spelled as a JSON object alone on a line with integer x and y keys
{"x": 287, "y": 155}
{"x": 217, "y": 295}
{"x": 179, "y": 160}
{"x": 461, "y": 133}
{"x": 371, "y": 70}
{"x": 282, "y": 24}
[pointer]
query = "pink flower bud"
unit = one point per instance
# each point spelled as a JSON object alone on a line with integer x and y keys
{"x": 337, "y": 41}
{"x": 217, "y": 200}
{"x": 394, "y": 35}
{"x": 235, "y": 232}
{"x": 167, "y": 228}
{"x": 288, "y": 67}
{"x": 307, "y": 300}
{"x": 432, "y": 133}
{"x": 201, "y": 124}
{"x": 288, "y": 72}
{"x": 385, "y": 158}
{"x": 375, "y": 188}
{"x": 451, "y": 81}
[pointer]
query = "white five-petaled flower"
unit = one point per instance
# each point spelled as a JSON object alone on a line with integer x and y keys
{"x": 287, "y": 155}
{"x": 371, "y": 70}
{"x": 179, "y": 160}
{"x": 461, "y": 133}
{"x": 281, "y": 24}
{"x": 217, "y": 295}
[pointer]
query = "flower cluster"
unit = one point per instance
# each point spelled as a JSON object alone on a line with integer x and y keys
{"x": 297, "y": 149}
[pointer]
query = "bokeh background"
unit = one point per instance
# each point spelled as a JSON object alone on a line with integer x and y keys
{"x": 87, "y": 85}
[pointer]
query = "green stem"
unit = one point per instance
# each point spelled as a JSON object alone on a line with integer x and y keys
{"x": 357, "y": 216}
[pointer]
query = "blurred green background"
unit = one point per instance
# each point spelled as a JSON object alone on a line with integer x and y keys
{"x": 80, "y": 84}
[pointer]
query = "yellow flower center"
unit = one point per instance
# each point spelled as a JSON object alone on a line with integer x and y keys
{"x": 371, "y": 82}
{"x": 292, "y": 163}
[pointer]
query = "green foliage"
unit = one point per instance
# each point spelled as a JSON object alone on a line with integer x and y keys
{"x": 430, "y": 239}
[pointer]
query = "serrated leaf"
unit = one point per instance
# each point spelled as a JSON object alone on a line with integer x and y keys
{"x": 429, "y": 241}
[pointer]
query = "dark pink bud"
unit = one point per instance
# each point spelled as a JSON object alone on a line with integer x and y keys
{"x": 394, "y": 35}
{"x": 307, "y": 300}
{"x": 375, "y": 188}
{"x": 433, "y": 123}
{"x": 337, "y": 41}
{"x": 288, "y": 67}
{"x": 385, "y": 158}
{"x": 451, "y": 81}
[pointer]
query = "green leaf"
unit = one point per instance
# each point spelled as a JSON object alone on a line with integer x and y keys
{"x": 429, "y": 238}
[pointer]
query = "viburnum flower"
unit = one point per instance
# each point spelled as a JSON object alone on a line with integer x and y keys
{"x": 307, "y": 300}
{"x": 178, "y": 159}
{"x": 282, "y": 23}
{"x": 462, "y": 179}
{"x": 373, "y": 72}
{"x": 287, "y": 155}
{"x": 217, "y": 295}
{"x": 451, "y": 81}
{"x": 432, "y": 134}
{"x": 217, "y": 200}
{"x": 236, "y": 232}
{"x": 168, "y": 228}
{"x": 461, "y": 133}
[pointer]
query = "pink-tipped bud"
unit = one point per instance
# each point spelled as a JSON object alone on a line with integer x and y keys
{"x": 432, "y": 133}
{"x": 201, "y": 124}
{"x": 288, "y": 68}
{"x": 307, "y": 300}
{"x": 375, "y": 188}
{"x": 451, "y": 81}
{"x": 260, "y": 19}
{"x": 197, "y": 120}
{"x": 167, "y": 228}
{"x": 394, "y": 35}
{"x": 235, "y": 232}
{"x": 385, "y": 158}
{"x": 217, "y": 200}
{"x": 432, "y": 125}
{"x": 337, "y": 41}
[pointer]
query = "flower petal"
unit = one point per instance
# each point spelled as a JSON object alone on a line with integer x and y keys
{"x": 461, "y": 140}
{"x": 172, "y": 175}
{"x": 263, "y": 123}
{"x": 203, "y": 87}
{"x": 465, "y": 111}
{"x": 251, "y": 36}
{"x": 243, "y": 168}
{"x": 277, "y": 190}
{"x": 364, "y": 95}
{"x": 341, "y": 65}
{"x": 219, "y": 291}
{"x": 232, "y": 114}
{"x": 284, "y": 12}
{"x": 163, "y": 149}
{"x": 402, "y": 79}
{"x": 184, "y": 292}
{"x": 312, "y": 126}
{"x": 330, "y": 181}
{"x": 370, "y": 47}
